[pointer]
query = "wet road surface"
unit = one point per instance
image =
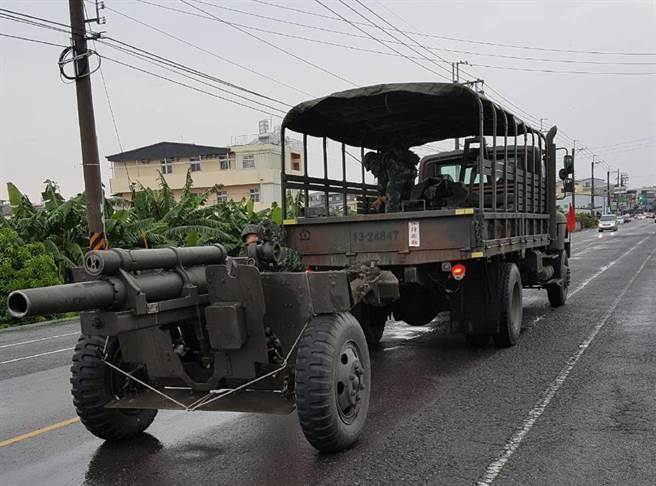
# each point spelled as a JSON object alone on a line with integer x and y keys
{"x": 573, "y": 403}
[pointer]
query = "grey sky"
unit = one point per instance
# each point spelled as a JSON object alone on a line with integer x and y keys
{"x": 38, "y": 126}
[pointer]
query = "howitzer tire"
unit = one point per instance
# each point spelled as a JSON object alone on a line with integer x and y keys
{"x": 373, "y": 320}
{"x": 92, "y": 388}
{"x": 333, "y": 376}
{"x": 556, "y": 293}
{"x": 510, "y": 301}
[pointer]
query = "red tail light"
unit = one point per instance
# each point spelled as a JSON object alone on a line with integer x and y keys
{"x": 458, "y": 271}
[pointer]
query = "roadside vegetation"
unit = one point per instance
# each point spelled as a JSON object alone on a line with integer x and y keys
{"x": 39, "y": 244}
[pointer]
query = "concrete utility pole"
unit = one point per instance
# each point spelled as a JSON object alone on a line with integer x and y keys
{"x": 90, "y": 160}
{"x": 592, "y": 191}
{"x": 455, "y": 76}
{"x": 608, "y": 190}
{"x": 573, "y": 178}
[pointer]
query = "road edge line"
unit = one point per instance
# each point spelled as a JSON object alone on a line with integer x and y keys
{"x": 496, "y": 466}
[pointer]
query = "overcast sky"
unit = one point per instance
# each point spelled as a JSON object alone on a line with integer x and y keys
{"x": 39, "y": 137}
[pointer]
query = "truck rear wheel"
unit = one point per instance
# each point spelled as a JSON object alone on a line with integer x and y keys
{"x": 333, "y": 377}
{"x": 94, "y": 384}
{"x": 510, "y": 301}
{"x": 557, "y": 294}
{"x": 373, "y": 320}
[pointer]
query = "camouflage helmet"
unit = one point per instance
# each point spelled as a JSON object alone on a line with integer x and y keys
{"x": 249, "y": 229}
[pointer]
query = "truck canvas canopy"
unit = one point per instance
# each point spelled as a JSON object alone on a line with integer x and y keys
{"x": 402, "y": 114}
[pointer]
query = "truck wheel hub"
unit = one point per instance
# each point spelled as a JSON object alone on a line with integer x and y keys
{"x": 349, "y": 382}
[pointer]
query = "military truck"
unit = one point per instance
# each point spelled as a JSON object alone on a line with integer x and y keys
{"x": 197, "y": 330}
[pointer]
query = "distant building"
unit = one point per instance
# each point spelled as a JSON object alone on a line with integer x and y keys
{"x": 5, "y": 208}
{"x": 249, "y": 168}
{"x": 586, "y": 184}
{"x": 317, "y": 203}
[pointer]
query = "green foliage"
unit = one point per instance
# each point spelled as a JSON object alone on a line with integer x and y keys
{"x": 22, "y": 265}
{"x": 150, "y": 218}
{"x": 586, "y": 220}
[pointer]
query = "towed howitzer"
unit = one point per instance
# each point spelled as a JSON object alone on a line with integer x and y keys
{"x": 174, "y": 275}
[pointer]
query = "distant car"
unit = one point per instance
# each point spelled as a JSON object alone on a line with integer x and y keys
{"x": 608, "y": 222}
{"x": 627, "y": 218}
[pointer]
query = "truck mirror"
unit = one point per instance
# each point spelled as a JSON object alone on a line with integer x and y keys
{"x": 568, "y": 163}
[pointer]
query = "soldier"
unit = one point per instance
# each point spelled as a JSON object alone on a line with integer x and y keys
{"x": 249, "y": 236}
{"x": 396, "y": 171}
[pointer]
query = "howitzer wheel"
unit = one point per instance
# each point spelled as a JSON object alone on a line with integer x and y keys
{"x": 94, "y": 384}
{"x": 333, "y": 380}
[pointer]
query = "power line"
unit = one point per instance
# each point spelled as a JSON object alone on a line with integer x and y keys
{"x": 402, "y": 33}
{"x": 197, "y": 72}
{"x": 172, "y": 67}
{"x": 405, "y": 34}
{"x": 310, "y": 63}
{"x": 29, "y": 39}
{"x": 378, "y": 40}
{"x": 603, "y": 147}
{"x": 456, "y": 39}
{"x": 556, "y": 71}
{"x": 179, "y": 83}
{"x": 211, "y": 53}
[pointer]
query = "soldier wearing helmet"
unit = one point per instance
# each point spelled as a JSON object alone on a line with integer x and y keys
{"x": 396, "y": 171}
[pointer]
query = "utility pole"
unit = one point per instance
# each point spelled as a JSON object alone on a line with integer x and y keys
{"x": 608, "y": 190}
{"x": 573, "y": 178}
{"x": 455, "y": 76}
{"x": 90, "y": 159}
{"x": 592, "y": 194}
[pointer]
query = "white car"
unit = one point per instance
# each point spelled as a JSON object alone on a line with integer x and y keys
{"x": 608, "y": 222}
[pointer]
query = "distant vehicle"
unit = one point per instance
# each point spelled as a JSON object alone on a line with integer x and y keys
{"x": 608, "y": 222}
{"x": 640, "y": 216}
{"x": 627, "y": 218}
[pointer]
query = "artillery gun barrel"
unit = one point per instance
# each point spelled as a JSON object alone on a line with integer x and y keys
{"x": 108, "y": 262}
{"x": 104, "y": 294}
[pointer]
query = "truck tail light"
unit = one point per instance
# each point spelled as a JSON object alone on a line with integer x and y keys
{"x": 458, "y": 271}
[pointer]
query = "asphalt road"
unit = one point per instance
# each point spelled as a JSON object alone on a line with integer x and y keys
{"x": 574, "y": 403}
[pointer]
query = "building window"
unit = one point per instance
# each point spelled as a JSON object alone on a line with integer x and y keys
{"x": 222, "y": 196}
{"x": 195, "y": 164}
{"x": 224, "y": 164}
{"x": 248, "y": 161}
{"x": 167, "y": 166}
{"x": 296, "y": 161}
{"x": 209, "y": 157}
{"x": 254, "y": 194}
{"x": 144, "y": 162}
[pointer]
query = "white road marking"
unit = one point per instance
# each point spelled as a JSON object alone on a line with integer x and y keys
{"x": 35, "y": 355}
{"x": 534, "y": 414}
{"x": 38, "y": 340}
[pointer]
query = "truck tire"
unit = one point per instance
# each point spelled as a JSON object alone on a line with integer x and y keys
{"x": 94, "y": 384}
{"x": 333, "y": 377}
{"x": 510, "y": 301}
{"x": 372, "y": 320}
{"x": 557, "y": 294}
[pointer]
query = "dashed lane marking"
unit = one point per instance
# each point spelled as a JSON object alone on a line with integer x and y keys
{"x": 42, "y": 430}
{"x": 534, "y": 414}
{"x": 38, "y": 340}
{"x": 36, "y": 355}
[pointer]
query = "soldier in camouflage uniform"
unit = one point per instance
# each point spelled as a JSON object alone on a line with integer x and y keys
{"x": 249, "y": 236}
{"x": 267, "y": 231}
{"x": 396, "y": 171}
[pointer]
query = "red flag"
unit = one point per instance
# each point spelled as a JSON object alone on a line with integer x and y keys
{"x": 571, "y": 219}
